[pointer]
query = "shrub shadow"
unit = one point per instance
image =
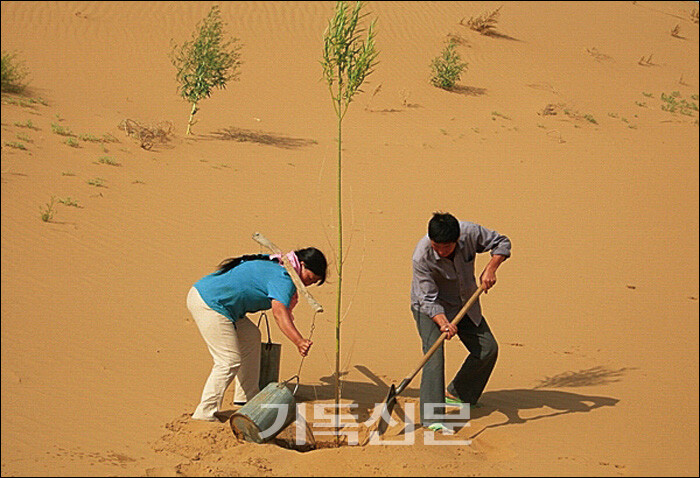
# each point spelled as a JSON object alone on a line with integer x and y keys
{"x": 584, "y": 378}
{"x": 502, "y": 36}
{"x": 468, "y": 90}
{"x": 260, "y": 137}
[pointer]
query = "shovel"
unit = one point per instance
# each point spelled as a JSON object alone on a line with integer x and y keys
{"x": 390, "y": 401}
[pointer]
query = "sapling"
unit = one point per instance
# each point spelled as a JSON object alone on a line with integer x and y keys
{"x": 447, "y": 67}
{"x": 347, "y": 61}
{"x": 205, "y": 62}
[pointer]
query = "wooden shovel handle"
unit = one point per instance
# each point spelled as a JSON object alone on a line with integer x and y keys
{"x": 442, "y": 337}
{"x": 262, "y": 240}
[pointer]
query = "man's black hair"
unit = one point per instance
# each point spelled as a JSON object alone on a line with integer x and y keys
{"x": 443, "y": 227}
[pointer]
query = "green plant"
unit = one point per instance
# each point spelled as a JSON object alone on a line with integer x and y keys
{"x": 347, "y": 61}
{"x": 24, "y": 137}
{"x": 67, "y": 173}
{"x": 496, "y": 113}
{"x": 674, "y": 102}
{"x": 589, "y": 117}
{"x": 70, "y": 141}
{"x": 59, "y": 129}
{"x": 205, "y": 62}
{"x": 13, "y": 73}
{"x": 88, "y": 137}
{"x": 69, "y": 202}
{"x": 648, "y": 95}
{"x": 26, "y": 124}
{"x": 16, "y": 145}
{"x": 447, "y": 67}
{"x": 47, "y": 210}
{"x": 108, "y": 160}
{"x": 97, "y": 182}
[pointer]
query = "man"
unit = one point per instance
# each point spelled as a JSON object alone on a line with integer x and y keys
{"x": 443, "y": 281}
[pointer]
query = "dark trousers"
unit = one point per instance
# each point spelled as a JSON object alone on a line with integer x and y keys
{"x": 470, "y": 381}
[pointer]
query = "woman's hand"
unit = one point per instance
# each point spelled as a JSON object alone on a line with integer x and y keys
{"x": 304, "y": 346}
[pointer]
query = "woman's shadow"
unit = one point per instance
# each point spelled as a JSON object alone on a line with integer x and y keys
{"x": 510, "y": 402}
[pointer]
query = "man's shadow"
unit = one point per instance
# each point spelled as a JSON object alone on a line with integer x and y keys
{"x": 510, "y": 402}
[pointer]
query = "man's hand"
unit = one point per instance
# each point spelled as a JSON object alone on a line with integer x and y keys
{"x": 449, "y": 329}
{"x": 445, "y": 326}
{"x": 488, "y": 277}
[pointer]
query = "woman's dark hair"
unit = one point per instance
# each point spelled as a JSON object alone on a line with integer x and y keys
{"x": 443, "y": 227}
{"x": 228, "y": 264}
{"x": 314, "y": 260}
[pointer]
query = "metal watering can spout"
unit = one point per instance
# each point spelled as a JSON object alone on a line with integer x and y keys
{"x": 296, "y": 387}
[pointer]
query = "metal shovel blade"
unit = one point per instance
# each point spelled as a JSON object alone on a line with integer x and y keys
{"x": 388, "y": 407}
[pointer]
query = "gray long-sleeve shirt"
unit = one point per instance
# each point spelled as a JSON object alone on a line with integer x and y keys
{"x": 442, "y": 285}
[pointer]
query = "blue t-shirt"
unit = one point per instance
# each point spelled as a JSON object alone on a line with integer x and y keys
{"x": 248, "y": 287}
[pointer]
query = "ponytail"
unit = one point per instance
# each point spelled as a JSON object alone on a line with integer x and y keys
{"x": 228, "y": 264}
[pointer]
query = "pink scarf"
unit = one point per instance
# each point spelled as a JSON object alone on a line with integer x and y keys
{"x": 292, "y": 259}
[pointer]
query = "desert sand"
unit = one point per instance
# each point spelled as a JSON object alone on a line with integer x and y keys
{"x": 556, "y": 136}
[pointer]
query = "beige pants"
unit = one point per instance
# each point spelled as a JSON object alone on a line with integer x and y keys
{"x": 236, "y": 354}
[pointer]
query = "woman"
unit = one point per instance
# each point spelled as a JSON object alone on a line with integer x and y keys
{"x": 219, "y": 303}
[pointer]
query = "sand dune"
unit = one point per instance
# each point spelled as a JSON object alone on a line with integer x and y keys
{"x": 554, "y": 136}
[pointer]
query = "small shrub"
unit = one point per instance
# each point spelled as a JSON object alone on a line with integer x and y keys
{"x": 72, "y": 142}
{"x": 16, "y": 145}
{"x": 47, "y": 210}
{"x": 89, "y": 137}
{"x": 109, "y": 161}
{"x": 13, "y": 73}
{"x": 26, "y": 124}
{"x": 69, "y": 202}
{"x": 59, "y": 129}
{"x": 147, "y": 135}
{"x": 205, "y": 62}
{"x": 484, "y": 23}
{"x": 97, "y": 182}
{"x": 501, "y": 115}
{"x": 447, "y": 68}
{"x": 24, "y": 137}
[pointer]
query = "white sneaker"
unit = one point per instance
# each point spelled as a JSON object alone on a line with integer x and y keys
{"x": 203, "y": 418}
